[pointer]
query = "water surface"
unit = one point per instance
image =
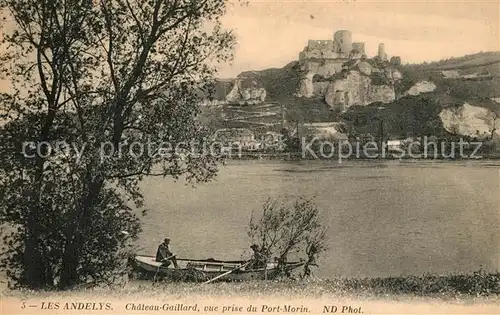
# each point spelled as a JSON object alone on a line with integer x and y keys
{"x": 384, "y": 217}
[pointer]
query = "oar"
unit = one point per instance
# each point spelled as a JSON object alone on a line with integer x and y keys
{"x": 226, "y": 273}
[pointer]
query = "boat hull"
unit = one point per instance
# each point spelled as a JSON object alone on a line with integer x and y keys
{"x": 203, "y": 270}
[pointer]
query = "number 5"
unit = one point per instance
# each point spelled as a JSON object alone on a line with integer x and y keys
{"x": 23, "y": 304}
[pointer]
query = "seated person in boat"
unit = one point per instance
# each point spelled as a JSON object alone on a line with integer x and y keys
{"x": 311, "y": 252}
{"x": 259, "y": 259}
{"x": 163, "y": 254}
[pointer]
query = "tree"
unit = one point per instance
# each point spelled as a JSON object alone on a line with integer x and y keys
{"x": 291, "y": 142}
{"x": 287, "y": 228}
{"x": 117, "y": 80}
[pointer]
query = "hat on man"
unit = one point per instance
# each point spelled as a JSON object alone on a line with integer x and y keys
{"x": 167, "y": 239}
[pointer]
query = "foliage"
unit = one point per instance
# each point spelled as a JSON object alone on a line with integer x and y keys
{"x": 279, "y": 83}
{"x": 286, "y": 229}
{"x": 291, "y": 142}
{"x": 476, "y": 59}
{"x": 412, "y": 115}
{"x": 93, "y": 75}
{"x": 465, "y": 89}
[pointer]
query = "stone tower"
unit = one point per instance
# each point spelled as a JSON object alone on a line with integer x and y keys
{"x": 381, "y": 52}
{"x": 359, "y": 47}
{"x": 342, "y": 42}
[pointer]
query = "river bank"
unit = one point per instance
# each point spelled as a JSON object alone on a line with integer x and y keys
{"x": 298, "y": 156}
{"x": 443, "y": 287}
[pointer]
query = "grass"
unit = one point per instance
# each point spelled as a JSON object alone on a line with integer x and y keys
{"x": 480, "y": 284}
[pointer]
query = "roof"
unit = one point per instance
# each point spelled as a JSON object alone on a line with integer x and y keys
{"x": 234, "y": 132}
{"x": 394, "y": 142}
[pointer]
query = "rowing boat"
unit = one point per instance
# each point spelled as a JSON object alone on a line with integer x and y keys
{"x": 201, "y": 270}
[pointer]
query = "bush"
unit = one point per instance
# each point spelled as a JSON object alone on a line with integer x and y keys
{"x": 288, "y": 228}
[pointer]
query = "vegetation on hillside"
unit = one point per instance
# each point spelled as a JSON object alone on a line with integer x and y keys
{"x": 280, "y": 83}
{"x": 403, "y": 115}
{"x": 475, "y": 63}
{"x": 463, "y": 62}
{"x": 412, "y": 115}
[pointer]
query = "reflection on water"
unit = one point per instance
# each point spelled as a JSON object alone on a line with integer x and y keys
{"x": 384, "y": 217}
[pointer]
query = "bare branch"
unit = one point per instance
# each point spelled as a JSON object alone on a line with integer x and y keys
{"x": 137, "y": 22}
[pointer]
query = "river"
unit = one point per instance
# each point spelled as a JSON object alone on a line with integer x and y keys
{"x": 384, "y": 217}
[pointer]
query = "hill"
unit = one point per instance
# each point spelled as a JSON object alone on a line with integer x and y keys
{"x": 462, "y": 87}
{"x": 406, "y": 115}
{"x": 280, "y": 83}
{"x": 467, "y": 62}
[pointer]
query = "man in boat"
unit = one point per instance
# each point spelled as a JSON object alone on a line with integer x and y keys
{"x": 311, "y": 252}
{"x": 259, "y": 259}
{"x": 164, "y": 255}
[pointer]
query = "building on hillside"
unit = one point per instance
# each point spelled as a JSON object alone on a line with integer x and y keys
{"x": 326, "y": 130}
{"x": 271, "y": 140}
{"x": 237, "y": 138}
{"x": 395, "y": 145}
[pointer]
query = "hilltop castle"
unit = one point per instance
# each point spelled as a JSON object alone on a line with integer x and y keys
{"x": 340, "y": 71}
{"x": 330, "y": 55}
{"x": 341, "y": 47}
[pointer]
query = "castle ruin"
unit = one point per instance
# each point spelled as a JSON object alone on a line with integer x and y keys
{"x": 381, "y": 52}
{"x": 341, "y": 47}
{"x": 326, "y": 57}
{"x": 340, "y": 71}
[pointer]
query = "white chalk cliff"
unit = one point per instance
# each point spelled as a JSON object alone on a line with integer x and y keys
{"x": 306, "y": 87}
{"x": 346, "y": 83}
{"x": 250, "y": 95}
{"x": 469, "y": 120}
{"x": 421, "y": 87}
{"x": 357, "y": 89}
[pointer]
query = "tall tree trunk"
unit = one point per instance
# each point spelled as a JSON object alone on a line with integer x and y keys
{"x": 33, "y": 271}
{"x": 75, "y": 237}
{"x": 69, "y": 267}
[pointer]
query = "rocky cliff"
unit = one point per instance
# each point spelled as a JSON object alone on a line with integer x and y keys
{"x": 416, "y": 97}
{"x": 354, "y": 82}
{"x": 469, "y": 120}
{"x": 421, "y": 87}
{"x": 246, "y": 95}
{"x": 357, "y": 89}
{"x": 242, "y": 91}
{"x": 306, "y": 85}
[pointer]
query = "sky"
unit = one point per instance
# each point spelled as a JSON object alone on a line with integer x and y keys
{"x": 271, "y": 33}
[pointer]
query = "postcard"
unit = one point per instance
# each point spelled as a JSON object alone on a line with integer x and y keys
{"x": 249, "y": 157}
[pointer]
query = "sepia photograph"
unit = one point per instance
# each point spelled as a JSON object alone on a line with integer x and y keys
{"x": 249, "y": 157}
